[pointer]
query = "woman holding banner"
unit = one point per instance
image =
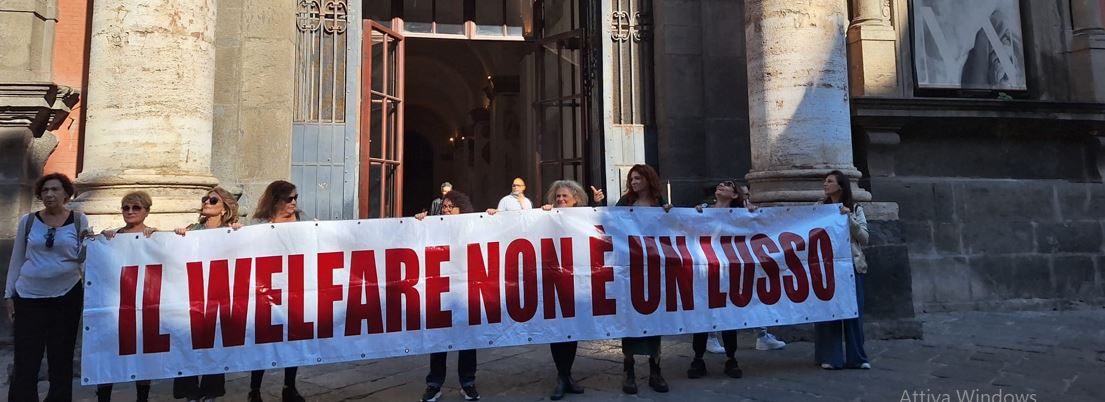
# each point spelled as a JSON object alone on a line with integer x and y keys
{"x": 453, "y": 203}
{"x": 218, "y": 209}
{"x": 44, "y": 291}
{"x": 643, "y": 191}
{"x": 277, "y": 204}
{"x": 136, "y": 207}
{"x": 566, "y": 194}
{"x": 726, "y": 195}
{"x": 828, "y": 336}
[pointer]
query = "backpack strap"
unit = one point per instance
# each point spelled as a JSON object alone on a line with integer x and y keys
{"x": 27, "y": 222}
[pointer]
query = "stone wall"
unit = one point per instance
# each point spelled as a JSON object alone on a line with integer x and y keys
{"x": 701, "y": 95}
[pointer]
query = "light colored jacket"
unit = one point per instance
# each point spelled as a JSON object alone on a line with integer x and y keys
{"x": 857, "y": 226}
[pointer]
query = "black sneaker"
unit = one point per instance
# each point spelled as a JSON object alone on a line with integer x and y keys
{"x": 470, "y": 393}
{"x": 431, "y": 394}
{"x": 732, "y": 369}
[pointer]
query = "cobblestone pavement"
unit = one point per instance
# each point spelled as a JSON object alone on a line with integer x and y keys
{"x": 999, "y": 356}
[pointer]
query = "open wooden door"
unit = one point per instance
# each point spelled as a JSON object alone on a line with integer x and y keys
{"x": 380, "y": 181}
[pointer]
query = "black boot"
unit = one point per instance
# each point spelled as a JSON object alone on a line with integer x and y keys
{"x": 254, "y": 396}
{"x": 629, "y": 386}
{"x": 571, "y": 386}
{"x": 290, "y": 394}
{"x": 143, "y": 392}
{"x": 558, "y": 392}
{"x": 732, "y": 369}
{"x": 655, "y": 380}
{"x": 698, "y": 368}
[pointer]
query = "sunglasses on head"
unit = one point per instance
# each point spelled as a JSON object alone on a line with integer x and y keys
{"x": 210, "y": 200}
{"x": 50, "y": 234}
{"x": 135, "y": 208}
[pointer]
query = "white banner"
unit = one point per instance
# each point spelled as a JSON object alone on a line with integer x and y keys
{"x": 304, "y": 293}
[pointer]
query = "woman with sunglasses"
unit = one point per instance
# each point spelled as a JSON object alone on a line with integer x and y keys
{"x": 277, "y": 205}
{"x": 453, "y": 203}
{"x": 726, "y": 195}
{"x": 218, "y": 209}
{"x": 643, "y": 191}
{"x": 136, "y": 207}
{"x": 44, "y": 293}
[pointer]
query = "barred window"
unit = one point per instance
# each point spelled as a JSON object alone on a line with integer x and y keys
{"x": 321, "y": 57}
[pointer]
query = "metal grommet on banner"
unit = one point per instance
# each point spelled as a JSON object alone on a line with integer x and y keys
{"x": 136, "y": 237}
{"x": 86, "y": 328}
{"x": 132, "y": 376}
{"x": 680, "y": 329}
{"x": 490, "y": 342}
{"x": 272, "y": 226}
{"x": 442, "y": 218}
{"x": 569, "y": 337}
{"x": 715, "y": 326}
{"x": 646, "y": 331}
{"x": 607, "y": 334}
{"x": 319, "y": 360}
{"x": 406, "y": 350}
{"x": 631, "y": 210}
{"x": 746, "y": 323}
{"x": 89, "y": 283}
{"x": 180, "y": 373}
{"x": 362, "y": 355}
{"x": 86, "y": 380}
{"x": 229, "y": 230}
{"x": 226, "y": 368}
{"x": 316, "y": 223}
{"x": 450, "y": 347}
{"x": 529, "y": 339}
{"x": 274, "y": 364}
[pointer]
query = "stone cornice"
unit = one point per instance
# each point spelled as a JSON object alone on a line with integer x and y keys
{"x": 870, "y": 108}
{"x": 39, "y": 106}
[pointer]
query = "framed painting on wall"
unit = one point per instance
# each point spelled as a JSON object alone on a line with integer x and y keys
{"x": 973, "y": 45}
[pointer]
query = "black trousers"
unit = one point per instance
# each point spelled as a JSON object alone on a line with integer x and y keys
{"x": 728, "y": 340}
{"x": 564, "y": 355}
{"x": 256, "y": 376}
{"x": 50, "y": 326}
{"x": 199, "y": 387}
{"x": 466, "y": 368}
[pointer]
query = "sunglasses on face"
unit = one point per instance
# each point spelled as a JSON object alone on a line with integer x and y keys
{"x": 291, "y": 198}
{"x": 210, "y": 200}
{"x": 135, "y": 208}
{"x": 50, "y": 234}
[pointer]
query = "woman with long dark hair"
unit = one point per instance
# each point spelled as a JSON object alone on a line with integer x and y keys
{"x": 829, "y": 336}
{"x": 452, "y": 203}
{"x": 644, "y": 191}
{"x": 278, "y": 204}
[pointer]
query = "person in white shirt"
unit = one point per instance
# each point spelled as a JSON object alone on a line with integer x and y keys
{"x": 44, "y": 292}
{"x": 516, "y": 200}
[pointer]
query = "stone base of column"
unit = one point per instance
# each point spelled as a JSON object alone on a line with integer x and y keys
{"x": 1088, "y": 66}
{"x": 798, "y": 186}
{"x": 176, "y": 198}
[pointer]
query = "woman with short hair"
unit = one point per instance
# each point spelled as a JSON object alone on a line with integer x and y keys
{"x": 44, "y": 291}
{"x": 135, "y": 207}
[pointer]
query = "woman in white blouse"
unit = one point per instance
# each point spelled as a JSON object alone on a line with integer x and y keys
{"x": 44, "y": 295}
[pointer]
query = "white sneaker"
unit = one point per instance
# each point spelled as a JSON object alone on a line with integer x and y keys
{"x": 713, "y": 346}
{"x": 767, "y": 341}
{"x": 865, "y": 366}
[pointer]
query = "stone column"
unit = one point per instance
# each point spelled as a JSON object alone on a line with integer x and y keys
{"x": 149, "y": 109}
{"x": 798, "y": 108}
{"x": 1088, "y": 51}
{"x": 872, "y": 50}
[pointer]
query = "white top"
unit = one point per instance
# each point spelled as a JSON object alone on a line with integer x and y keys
{"x": 37, "y": 271}
{"x": 512, "y": 203}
